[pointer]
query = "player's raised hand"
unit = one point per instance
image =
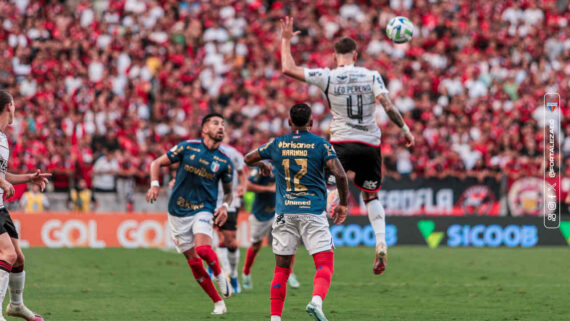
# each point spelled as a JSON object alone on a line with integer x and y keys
{"x": 40, "y": 179}
{"x": 339, "y": 214}
{"x": 410, "y": 141}
{"x": 287, "y": 28}
{"x": 152, "y": 194}
{"x": 220, "y": 216}
{"x": 8, "y": 189}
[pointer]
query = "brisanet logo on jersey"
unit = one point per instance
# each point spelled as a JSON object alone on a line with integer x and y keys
{"x": 552, "y": 160}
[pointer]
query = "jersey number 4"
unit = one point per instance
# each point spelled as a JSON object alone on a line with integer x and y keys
{"x": 350, "y": 111}
{"x": 297, "y": 177}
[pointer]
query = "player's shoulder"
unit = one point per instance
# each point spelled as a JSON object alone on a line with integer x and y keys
{"x": 223, "y": 154}
{"x": 191, "y": 142}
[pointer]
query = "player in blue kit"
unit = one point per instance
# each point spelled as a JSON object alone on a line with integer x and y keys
{"x": 260, "y": 221}
{"x": 300, "y": 159}
{"x": 192, "y": 205}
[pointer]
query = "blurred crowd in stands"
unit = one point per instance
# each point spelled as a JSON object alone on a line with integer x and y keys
{"x": 102, "y": 87}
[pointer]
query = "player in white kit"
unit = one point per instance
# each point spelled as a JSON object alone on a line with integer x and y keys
{"x": 12, "y": 274}
{"x": 352, "y": 93}
{"x": 228, "y": 251}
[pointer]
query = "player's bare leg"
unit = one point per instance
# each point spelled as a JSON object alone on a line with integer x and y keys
{"x": 7, "y": 258}
{"x": 324, "y": 264}
{"x": 205, "y": 252}
{"x": 230, "y": 241}
{"x": 279, "y": 285}
{"x": 16, "y": 307}
{"x": 377, "y": 218}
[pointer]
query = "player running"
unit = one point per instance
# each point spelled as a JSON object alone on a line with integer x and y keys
{"x": 260, "y": 221}
{"x": 300, "y": 159}
{"x": 12, "y": 274}
{"x": 352, "y": 93}
{"x": 192, "y": 204}
{"x": 227, "y": 250}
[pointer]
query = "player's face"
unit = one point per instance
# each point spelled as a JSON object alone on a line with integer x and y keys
{"x": 215, "y": 129}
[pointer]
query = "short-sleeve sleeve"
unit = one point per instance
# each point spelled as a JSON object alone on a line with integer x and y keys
{"x": 176, "y": 153}
{"x": 228, "y": 174}
{"x": 238, "y": 161}
{"x": 266, "y": 150}
{"x": 318, "y": 77}
{"x": 378, "y": 86}
{"x": 328, "y": 151}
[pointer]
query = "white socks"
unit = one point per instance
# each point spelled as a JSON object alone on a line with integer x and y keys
{"x": 222, "y": 253}
{"x": 275, "y": 318}
{"x": 16, "y": 286}
{"x": 318, "y": 301}
{"x": 233, "y": 258}
{"x": 377, "y": 219}
{"x": 4, "y": 278}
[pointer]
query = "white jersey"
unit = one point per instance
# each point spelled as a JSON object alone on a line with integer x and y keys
{"x": 4, "y": 156}
{"x": 351, "y": 93}
{"x": 239, "y": 164}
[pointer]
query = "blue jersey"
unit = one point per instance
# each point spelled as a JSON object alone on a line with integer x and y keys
{"x": 300, "y": 160}
{"x": 196, "y": 187}
{"x": 264, "y": 203}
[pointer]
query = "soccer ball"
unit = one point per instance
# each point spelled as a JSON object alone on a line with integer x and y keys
{"x": 400, "y": 30}
{"x": 332, "y": 201}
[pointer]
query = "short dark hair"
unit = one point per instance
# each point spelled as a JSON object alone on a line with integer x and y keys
{"x": 345, "y": 45}
{"x": 5, "y": 99}
{"x": 208, "y": 117}
{"x": 300, "y": 114}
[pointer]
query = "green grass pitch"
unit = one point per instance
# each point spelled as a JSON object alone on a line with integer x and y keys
{"x": 419, "y": 284}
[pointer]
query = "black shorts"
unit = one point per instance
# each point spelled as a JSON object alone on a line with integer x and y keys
{"x": 6, "y": 224}
{"x": 231, "y": 222}
{"x": 365, "y": 161}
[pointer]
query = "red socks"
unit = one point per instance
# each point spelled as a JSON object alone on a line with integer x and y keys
{"x": 324, "y": 262}
{"x": 279, "y": 289}
{"x": 210, "y": 257}
{"x": 249, "y": 259}
{"x": 203, "y": 279}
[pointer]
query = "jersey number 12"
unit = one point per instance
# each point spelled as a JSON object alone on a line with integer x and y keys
{"x": 297, "y": 177}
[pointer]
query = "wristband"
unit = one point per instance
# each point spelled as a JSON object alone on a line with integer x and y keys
{"x": 154, "y": 183}
{"x": 406, "y": 129}
{"x": 226, "y": 206}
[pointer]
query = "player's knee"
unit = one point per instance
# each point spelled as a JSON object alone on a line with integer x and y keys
{"x": 10, "y": 257}
{"x": 256, "y": 247}
{"x": 203, "y": 250}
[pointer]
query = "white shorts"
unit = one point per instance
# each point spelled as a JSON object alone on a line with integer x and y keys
{"x": 183, "y": 229}
{"x": 290, "y": 229}
{"x": 259, "y": 228}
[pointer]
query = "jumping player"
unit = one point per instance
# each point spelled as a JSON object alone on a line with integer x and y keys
{"x": 192, "y": 204}
{"x": 12, "y": 274}
{"x": 300, "y": 159}
{"x": 352, "y": 93}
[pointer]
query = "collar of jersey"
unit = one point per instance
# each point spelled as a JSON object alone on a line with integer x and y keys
{"x": 298, "y": 131}
{"x": 346, "y": 66}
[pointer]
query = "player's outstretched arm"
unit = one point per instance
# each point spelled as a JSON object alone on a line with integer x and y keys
{"x": 288, "y": 66}
{"x": 256, "y": 188}
{"x": 152, "y": 193}
{"x": 395, "y": 116}
{"x": 37, "y": 178}
{"x": 340, "y": 212}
